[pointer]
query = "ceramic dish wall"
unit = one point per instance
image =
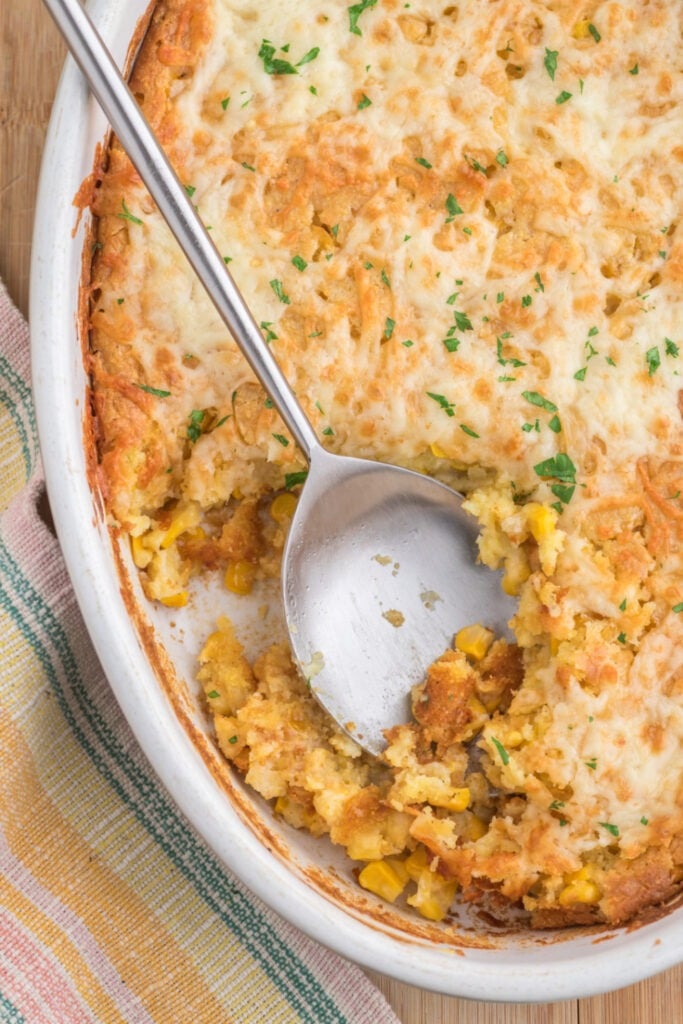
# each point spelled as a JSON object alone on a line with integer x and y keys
{"x": 149, "y": 657}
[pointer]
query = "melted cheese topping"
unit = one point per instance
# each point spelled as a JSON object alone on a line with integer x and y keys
{"x": 459, "y": 229}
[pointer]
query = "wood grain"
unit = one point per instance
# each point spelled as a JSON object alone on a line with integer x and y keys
{"x": 31, "y": 55}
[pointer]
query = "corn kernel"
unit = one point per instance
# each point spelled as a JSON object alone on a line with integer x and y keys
{"x": 185, "y": 520}
{"x": 515, "y": 574}
{"x": 579, "y": 892}
{"x": 142, "y": 556}
{"x": 541, "y": 520}
{"x": 283, "y": 507}
{"x": 476, "y": 828}
{"x": 459, "y": 801}
{"x": 434, "y": 895}
{"x": 239, "y": 576}
{"x": 416, "y": 863}
{"x": 178, "y": 600}
{"x": 474, "y": 641}
{"x": 586, "y": 873}
{"x": 383, "y": 878}
{"x": 437, "y": 451}
{"x": 514, "y": 739}
{"x": 580, "y": 30}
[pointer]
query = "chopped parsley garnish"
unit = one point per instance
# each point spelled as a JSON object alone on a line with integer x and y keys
{"x": 294, "y": 479}
{"x": 499, "y": 352}
{"x": 622, "y": 638}
{"x": 407, "y": 343}
{"x": 592, "y": 763}
{"x": 462, "y": 321}
{"x": 328, "y": 432}
{"x": 561, "y": 468}
{"x": 678, "y": 608}
{"x": 423, "y": 163}
{"x": 194, "y": 427}
{"x": 671, "y": 348}
{"x": 389, "y": 325}
{"x": 476, "y": 166}
{"x": 213, "y": 694}
{"x": 364, "y": 102}
{"x": 501, "y": 158}
{"x": 281, "y": 439}
{"x": 592, "y": 332}
{"x": 563, "y": 97}
{"x": 269, "y": 335}
{"x": 127, "y": 215}
{"x": 355, "y": 12}
{"x": 539, "y": 400}
{"x": 299, "y": 262}
{"x": 555, "y": 425}
{"x": 612, "y": 829}
{"x": 451, "y": 343}
{"x": 157, "y": 392}
{"x": 227, "y": 259}
{"x": 564, "y": 492}
{"x": 622, "y": 606}
{"x": 526, "y": 301}
{"x": 556, "y": 804}
{"x": 528, "y": 427}
{"x": 581, "y": 374}
{"x": 539, "y": 282}
{"x": 273, "y": 65}
{"x": 468, "y": 430}
{"x": 644, "y": 820}
{"x": 308, "y": 57}
{"x": 594, "y": 32}
{"x": 232, "y": 739}
{"x": 633, "y": 70}
{"x": 653, "y": 360}
{"x": 120, "y": 302}
{"x": 453, "y": 207}
{"x": 190, "y": 189}
{"x": 279, "y": 291}
{"x": 442, "y": 401}
{"x": 504, "y": 756}
{"x": 500, "y": 297}
{"x": 385, "y": 279}
{"x": 224, "y": 102}
{"x": 248, "y": 167}
{"x": 550, "y": 62}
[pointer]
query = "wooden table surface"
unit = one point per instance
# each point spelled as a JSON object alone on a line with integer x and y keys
{"x": 31, "y": 55}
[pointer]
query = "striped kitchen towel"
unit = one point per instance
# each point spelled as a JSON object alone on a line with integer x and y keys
{"x": 111, "y": 907}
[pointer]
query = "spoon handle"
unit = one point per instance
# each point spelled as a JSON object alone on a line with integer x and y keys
{"x": 151, "y": 163}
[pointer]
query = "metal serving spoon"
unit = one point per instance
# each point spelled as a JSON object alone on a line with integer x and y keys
{"x": 380, "y": 567}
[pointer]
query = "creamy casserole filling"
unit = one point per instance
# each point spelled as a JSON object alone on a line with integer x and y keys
{"x": 458, "y": 227}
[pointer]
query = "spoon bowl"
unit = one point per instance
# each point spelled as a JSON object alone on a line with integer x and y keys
{"x": 380, "y": 566}
{"x": 379, "y": 570}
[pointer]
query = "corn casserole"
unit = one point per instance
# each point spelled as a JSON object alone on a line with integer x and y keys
{"x": 458, "y": 226}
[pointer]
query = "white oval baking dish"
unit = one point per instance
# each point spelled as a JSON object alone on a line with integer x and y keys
{"x": 149, "y": 660}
